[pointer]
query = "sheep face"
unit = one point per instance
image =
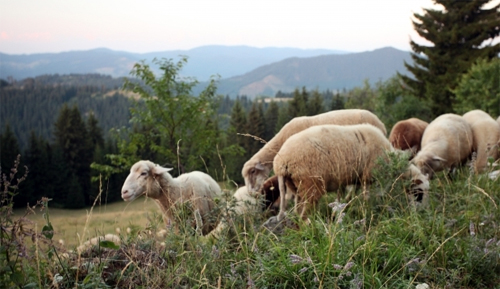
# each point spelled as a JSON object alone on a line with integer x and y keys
{"x": 255, "y": 174}
{"x": 142, "y": 180}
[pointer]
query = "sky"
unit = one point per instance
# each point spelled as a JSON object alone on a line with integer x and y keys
{"x": 36, "y": 26}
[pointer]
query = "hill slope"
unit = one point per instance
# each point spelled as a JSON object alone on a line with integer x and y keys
{"x": 203, "y": 62}
{"x": 334, "y": 72}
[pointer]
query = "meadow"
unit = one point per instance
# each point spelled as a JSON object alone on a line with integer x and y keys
{"x": 380, "y": 241}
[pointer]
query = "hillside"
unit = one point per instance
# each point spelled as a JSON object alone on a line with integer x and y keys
{"x": 334, "y": 72}
{"x": 203, "y": 62}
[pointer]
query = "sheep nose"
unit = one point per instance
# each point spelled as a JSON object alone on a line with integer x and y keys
{"x": 124, "y": 192}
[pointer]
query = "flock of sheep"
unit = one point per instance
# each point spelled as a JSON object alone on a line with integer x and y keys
{"x": 314, "y": 155}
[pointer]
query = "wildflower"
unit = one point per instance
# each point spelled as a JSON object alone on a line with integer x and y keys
{"x": 341, "y": 217}
{"x": 295, "y": 259}
{"x": 348, "y": 273}
{"x": 315, "y": 280}
{"x": 162, "y": 233}
{"x": 303, "y": 270}
{"x": 359, "y": 222}
{"x": 163, "y": 244}
{"x": 337, "y": 207}
{"x": 472, "y": 229}
{"x": 337, "y": 267}
{"x": 250, "y": 283}
{"x": 129, "y": 230}
{"x": 61, "y": 242}
{"x": 489, "y": 242}
{"x": 57, "y": 279}
{"x": 360, "y": 238}
{"x": 348, "y": 266}
{"x": 215, "y": 252}
{"x": 118, "y": 231}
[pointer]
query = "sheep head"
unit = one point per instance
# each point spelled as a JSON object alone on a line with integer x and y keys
{"x": 255, "y": 174}
{"x": 428, "y": 163}
{"x": 142, "y": 180}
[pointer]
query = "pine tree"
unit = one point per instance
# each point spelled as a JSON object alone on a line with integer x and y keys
{"x": 270, "y": 120}
{"x": 337, "y": 102}
{"x": 459, "y": 34}
{"x": 315, "y": 104}
{"x": 9, "y": 149}
{"x": 237, "y": 124}
{"x": 72, "y": 137}
{"x": 298, "y": 105}
{"x": 255, "y": 127}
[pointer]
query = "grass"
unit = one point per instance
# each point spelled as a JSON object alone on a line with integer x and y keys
{"x": 378, "y": 242}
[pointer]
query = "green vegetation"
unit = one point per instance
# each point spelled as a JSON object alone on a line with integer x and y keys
{"x": 378, "y": 242}
{"x": 461, "y": 34}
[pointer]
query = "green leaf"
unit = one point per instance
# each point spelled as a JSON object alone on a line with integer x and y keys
{"x": 108, "y": 244}
{"x": 48, "y": 231}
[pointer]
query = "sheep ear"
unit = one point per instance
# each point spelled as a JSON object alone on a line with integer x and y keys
{"x": 259, "y": 166}
{"x": 160, "y": 170}
{"x": 440, "y": 159}
{"x": 414, "y": 150}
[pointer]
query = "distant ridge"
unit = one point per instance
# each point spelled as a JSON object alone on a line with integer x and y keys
{"x": 203, "y": 62}
{"x": 334, "y": 72}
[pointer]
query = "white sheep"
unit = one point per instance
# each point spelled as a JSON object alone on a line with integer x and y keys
{"x": 324, "y": 158}
{"x": 96, "y": 240}
{"x": 256, "y": 170}
{"x": 242, "y": 203}
{"x": 154, "y": 181}
{"x": 446, "y": 143}
{"x": 407, "y": 134}
{"x": 485, "y": 137}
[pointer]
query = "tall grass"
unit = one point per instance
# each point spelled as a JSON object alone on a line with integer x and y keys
{"x": 383, "y": 241}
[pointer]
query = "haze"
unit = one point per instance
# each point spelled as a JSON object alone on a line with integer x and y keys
{"x": 28, "y": 27}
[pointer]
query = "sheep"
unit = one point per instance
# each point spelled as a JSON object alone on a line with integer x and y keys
{"x": 485, "y": 137}
{"x": 256, "y": 170}
{"x": 446, "y": 143}
{"x": 407, "y": 134}
{"x": 96, "y": 240}
{"x": 154, "y": 181}
{"x": 244, "y": 204}
{"x": 324, "y": 158}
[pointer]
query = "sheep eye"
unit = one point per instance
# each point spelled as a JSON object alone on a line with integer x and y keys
{"x": 144, "y": 173}
{"x": 252, "y": 171}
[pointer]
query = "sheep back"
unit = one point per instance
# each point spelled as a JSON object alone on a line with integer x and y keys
{"x": 322, "y": 158}
{"x": 446, "y": 142}
{"x": 256, "y": 170}
{"x": 407, "y": 134}
{"x": 485, "y": 135}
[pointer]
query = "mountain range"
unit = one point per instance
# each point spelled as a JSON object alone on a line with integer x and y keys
{"x": 242, "y": 70}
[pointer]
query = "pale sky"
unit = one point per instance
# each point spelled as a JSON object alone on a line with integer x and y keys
{"x": 39, "y": 26}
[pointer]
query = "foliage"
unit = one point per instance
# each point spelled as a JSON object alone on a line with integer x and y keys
{"x": 379, "y": 238}
{"x": 361, "y": 97}
{"x": 479, "y": 88}
{"x": 459, "y": 34}
{"x": 395, "y": 102}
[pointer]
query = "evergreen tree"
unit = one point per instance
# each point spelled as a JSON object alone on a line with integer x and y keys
{"x": 270, "y": 120}
{"x": 298, "y": 105}
{"x": 9, "y": 149}
{"x": 72, "y": 137}
{"x": 337, "y": 102}
{"x": 459, "y": 34}
{"x": 95, "y": 132}
{"x": 255, "y": 127}
{"x": 38, "y": 184}
{"x": 315, "y": 104}
{"x": 237, "y": 124}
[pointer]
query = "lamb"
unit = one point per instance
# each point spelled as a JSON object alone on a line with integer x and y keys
{"x": 324, "y": 158}
{"x": 485, "y": 137}
{"x": 154, "y": 181}
{"x": 407, "y": 134}
{"x": 446, "y": 143}
{"x": 256, "y": 170}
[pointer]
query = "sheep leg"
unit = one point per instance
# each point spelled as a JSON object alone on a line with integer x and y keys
{"x": 282, "y": 187}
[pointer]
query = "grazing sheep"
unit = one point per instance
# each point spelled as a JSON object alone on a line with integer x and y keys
{"x": 324, "y": 158}
{"x": 244, "y": 203}
{"x": 485, "y": 137}
{"x": 257, "y": 169}
{"x": 154, "y": 181}
{"x": 446, "y": 143}
{"x": 407, "y": 134}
